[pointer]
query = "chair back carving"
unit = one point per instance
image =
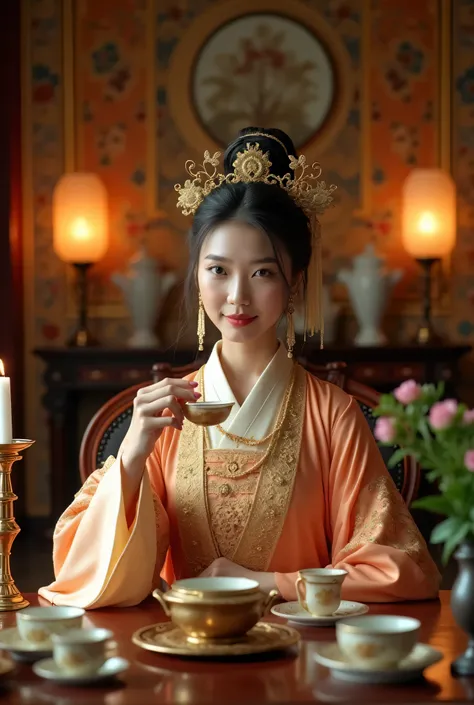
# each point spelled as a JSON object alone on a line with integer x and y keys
{"x": 108, "y": 427}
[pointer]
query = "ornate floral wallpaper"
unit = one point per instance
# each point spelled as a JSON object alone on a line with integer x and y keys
{"x": 118, "y": 110}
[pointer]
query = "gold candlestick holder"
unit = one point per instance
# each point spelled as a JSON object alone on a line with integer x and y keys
{"x": 10, "y": 597}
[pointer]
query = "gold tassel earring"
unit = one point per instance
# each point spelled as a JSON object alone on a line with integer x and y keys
{"x": 201, "y": 325}
{"x": 290, "y": 327}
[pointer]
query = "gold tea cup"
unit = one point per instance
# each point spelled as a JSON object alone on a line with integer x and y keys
{"x": 207, "y": 413}
{"x": 219, "y": 608}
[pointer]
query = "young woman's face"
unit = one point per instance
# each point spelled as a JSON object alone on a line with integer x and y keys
{"x": 243, "y": 290}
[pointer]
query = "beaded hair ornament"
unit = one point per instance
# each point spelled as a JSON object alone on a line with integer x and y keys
{"x": 302, "y": 184}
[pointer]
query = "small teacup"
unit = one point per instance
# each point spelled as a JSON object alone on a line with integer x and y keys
{"x": 319, "y": 590}
{"x": 207, "y": 413}
{"x": 81, "y": 651}
{"x": 36, "y": 625}
{"x": 377, "y": 641}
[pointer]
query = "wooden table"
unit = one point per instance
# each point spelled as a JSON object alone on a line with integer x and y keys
{"x": 288, "y": 678}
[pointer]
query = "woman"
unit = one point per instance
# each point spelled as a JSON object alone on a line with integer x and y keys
{"x": 293, "y": 479}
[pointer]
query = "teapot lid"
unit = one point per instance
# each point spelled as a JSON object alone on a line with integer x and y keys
{"x": 217, "y": 584}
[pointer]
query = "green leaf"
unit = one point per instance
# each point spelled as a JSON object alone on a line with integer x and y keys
{"x": 397, "y": 456}
{"x": 445, "y": 529}
{"x": 454, "y": 540}
{"x": 434, "y": 503}
{"x": 433, "y": 475}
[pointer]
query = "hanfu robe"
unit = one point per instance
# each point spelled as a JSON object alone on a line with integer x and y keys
{"x": 315, "y": 494}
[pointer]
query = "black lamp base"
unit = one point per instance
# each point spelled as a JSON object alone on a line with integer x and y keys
{"x": 426, "y": 334}
{"x": 82, "y": 337}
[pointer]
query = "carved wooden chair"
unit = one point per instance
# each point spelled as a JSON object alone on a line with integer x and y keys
{"x": 108, "y": 427}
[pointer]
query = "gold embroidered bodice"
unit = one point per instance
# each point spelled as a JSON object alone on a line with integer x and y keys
{"x": 228, "y": 502}
{"x": 231, "y": 487}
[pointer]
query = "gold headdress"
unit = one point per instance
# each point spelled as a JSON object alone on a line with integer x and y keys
{"x": 250, "y": 165}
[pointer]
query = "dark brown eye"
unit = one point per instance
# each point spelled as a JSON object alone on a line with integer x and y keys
{"x": 217, "y": 270}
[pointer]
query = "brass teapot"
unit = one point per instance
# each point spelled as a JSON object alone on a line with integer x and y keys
{"x": 215, "y": 608}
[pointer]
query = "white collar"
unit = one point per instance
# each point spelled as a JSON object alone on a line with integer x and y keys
{"x": 256, "y": 417}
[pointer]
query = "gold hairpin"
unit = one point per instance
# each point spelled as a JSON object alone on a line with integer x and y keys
{"x": 252, "y": 165}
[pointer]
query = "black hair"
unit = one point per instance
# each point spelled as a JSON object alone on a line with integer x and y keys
{"x": 267, "y": 207}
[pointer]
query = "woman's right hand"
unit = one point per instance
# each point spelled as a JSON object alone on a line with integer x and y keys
{"x": 151, "y": 415}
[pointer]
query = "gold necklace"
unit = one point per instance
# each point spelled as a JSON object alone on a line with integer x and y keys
{"x": 242, "y": 440}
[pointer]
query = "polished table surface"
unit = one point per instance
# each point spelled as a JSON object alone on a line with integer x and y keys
{"x": 289, "y": 678}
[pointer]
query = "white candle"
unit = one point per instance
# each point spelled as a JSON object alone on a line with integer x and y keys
{"x": 5, "y": 407}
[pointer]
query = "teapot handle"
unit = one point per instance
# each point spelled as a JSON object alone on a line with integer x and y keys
{"x": 271, "y": 599}
{"x": 158, "y": 595}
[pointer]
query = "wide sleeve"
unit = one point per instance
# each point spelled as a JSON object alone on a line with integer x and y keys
{"x": 370, "y": 531}
{"x": 374, "y": 536}
{"x": 103, "y": 557}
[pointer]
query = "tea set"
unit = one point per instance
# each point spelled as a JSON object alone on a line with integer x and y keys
{"x": 376, "y": 649}
{"x": 54, "y": 640}
{"x": 217, "y": 617}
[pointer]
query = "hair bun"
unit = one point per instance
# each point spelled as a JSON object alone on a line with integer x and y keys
{"x": 276, "y": 142}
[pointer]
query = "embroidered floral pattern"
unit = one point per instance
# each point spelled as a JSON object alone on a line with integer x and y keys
{"x": 230, "y": 502}
{"x": 386, "y": 521}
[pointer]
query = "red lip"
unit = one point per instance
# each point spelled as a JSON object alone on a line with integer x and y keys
{"x": 241, "y": 317}
{"x": 240, "y": 320}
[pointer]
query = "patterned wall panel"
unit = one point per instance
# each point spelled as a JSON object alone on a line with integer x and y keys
{"x": 101, "y": 93}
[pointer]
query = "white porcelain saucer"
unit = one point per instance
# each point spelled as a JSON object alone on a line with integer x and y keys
{"x": 48, "y": 669}
{"x": 293, "y": 612}
{"x": 20, "y": 650}
{"x": 410, "y": 668}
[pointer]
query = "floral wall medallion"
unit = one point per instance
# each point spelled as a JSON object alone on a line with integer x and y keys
{"x": 260, "y": 62}
{"x": 264, "y": 69}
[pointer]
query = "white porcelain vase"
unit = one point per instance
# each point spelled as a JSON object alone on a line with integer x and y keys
{"x": 369, "y": 284}
{"x": 144, "y": 288}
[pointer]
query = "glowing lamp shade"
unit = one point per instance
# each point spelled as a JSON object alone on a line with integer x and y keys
{"x": 80, "y": 218}
{"x": 428, "y": 214}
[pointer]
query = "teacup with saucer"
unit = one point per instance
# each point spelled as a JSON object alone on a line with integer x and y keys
{"x": 80, "y": 658}
{"x": 30, "y": 640}
{"x": 319, "y": 599}
{"x": 293, "y": 612}
{"x": 377, "y": 649}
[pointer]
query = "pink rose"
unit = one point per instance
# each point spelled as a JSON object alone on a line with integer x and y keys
{"x": 384, "y": 429}
{"x": 442, "y": 414}
{"x": 407, "y": 392}
{"x": 468, "y": 416}
{"x": 469, "y": 460}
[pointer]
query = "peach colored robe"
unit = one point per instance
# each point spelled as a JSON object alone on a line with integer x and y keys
{"x": 323, "y": 498}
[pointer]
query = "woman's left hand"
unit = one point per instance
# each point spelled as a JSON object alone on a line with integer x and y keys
{"x": 222, "y": 567}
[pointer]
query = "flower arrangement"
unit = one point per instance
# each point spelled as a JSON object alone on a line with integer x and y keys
{"x": 439, "y": 433}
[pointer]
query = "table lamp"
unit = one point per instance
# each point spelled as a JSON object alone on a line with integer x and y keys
{"x": 80, "y": 236}
{"x": 428, "y": 231}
